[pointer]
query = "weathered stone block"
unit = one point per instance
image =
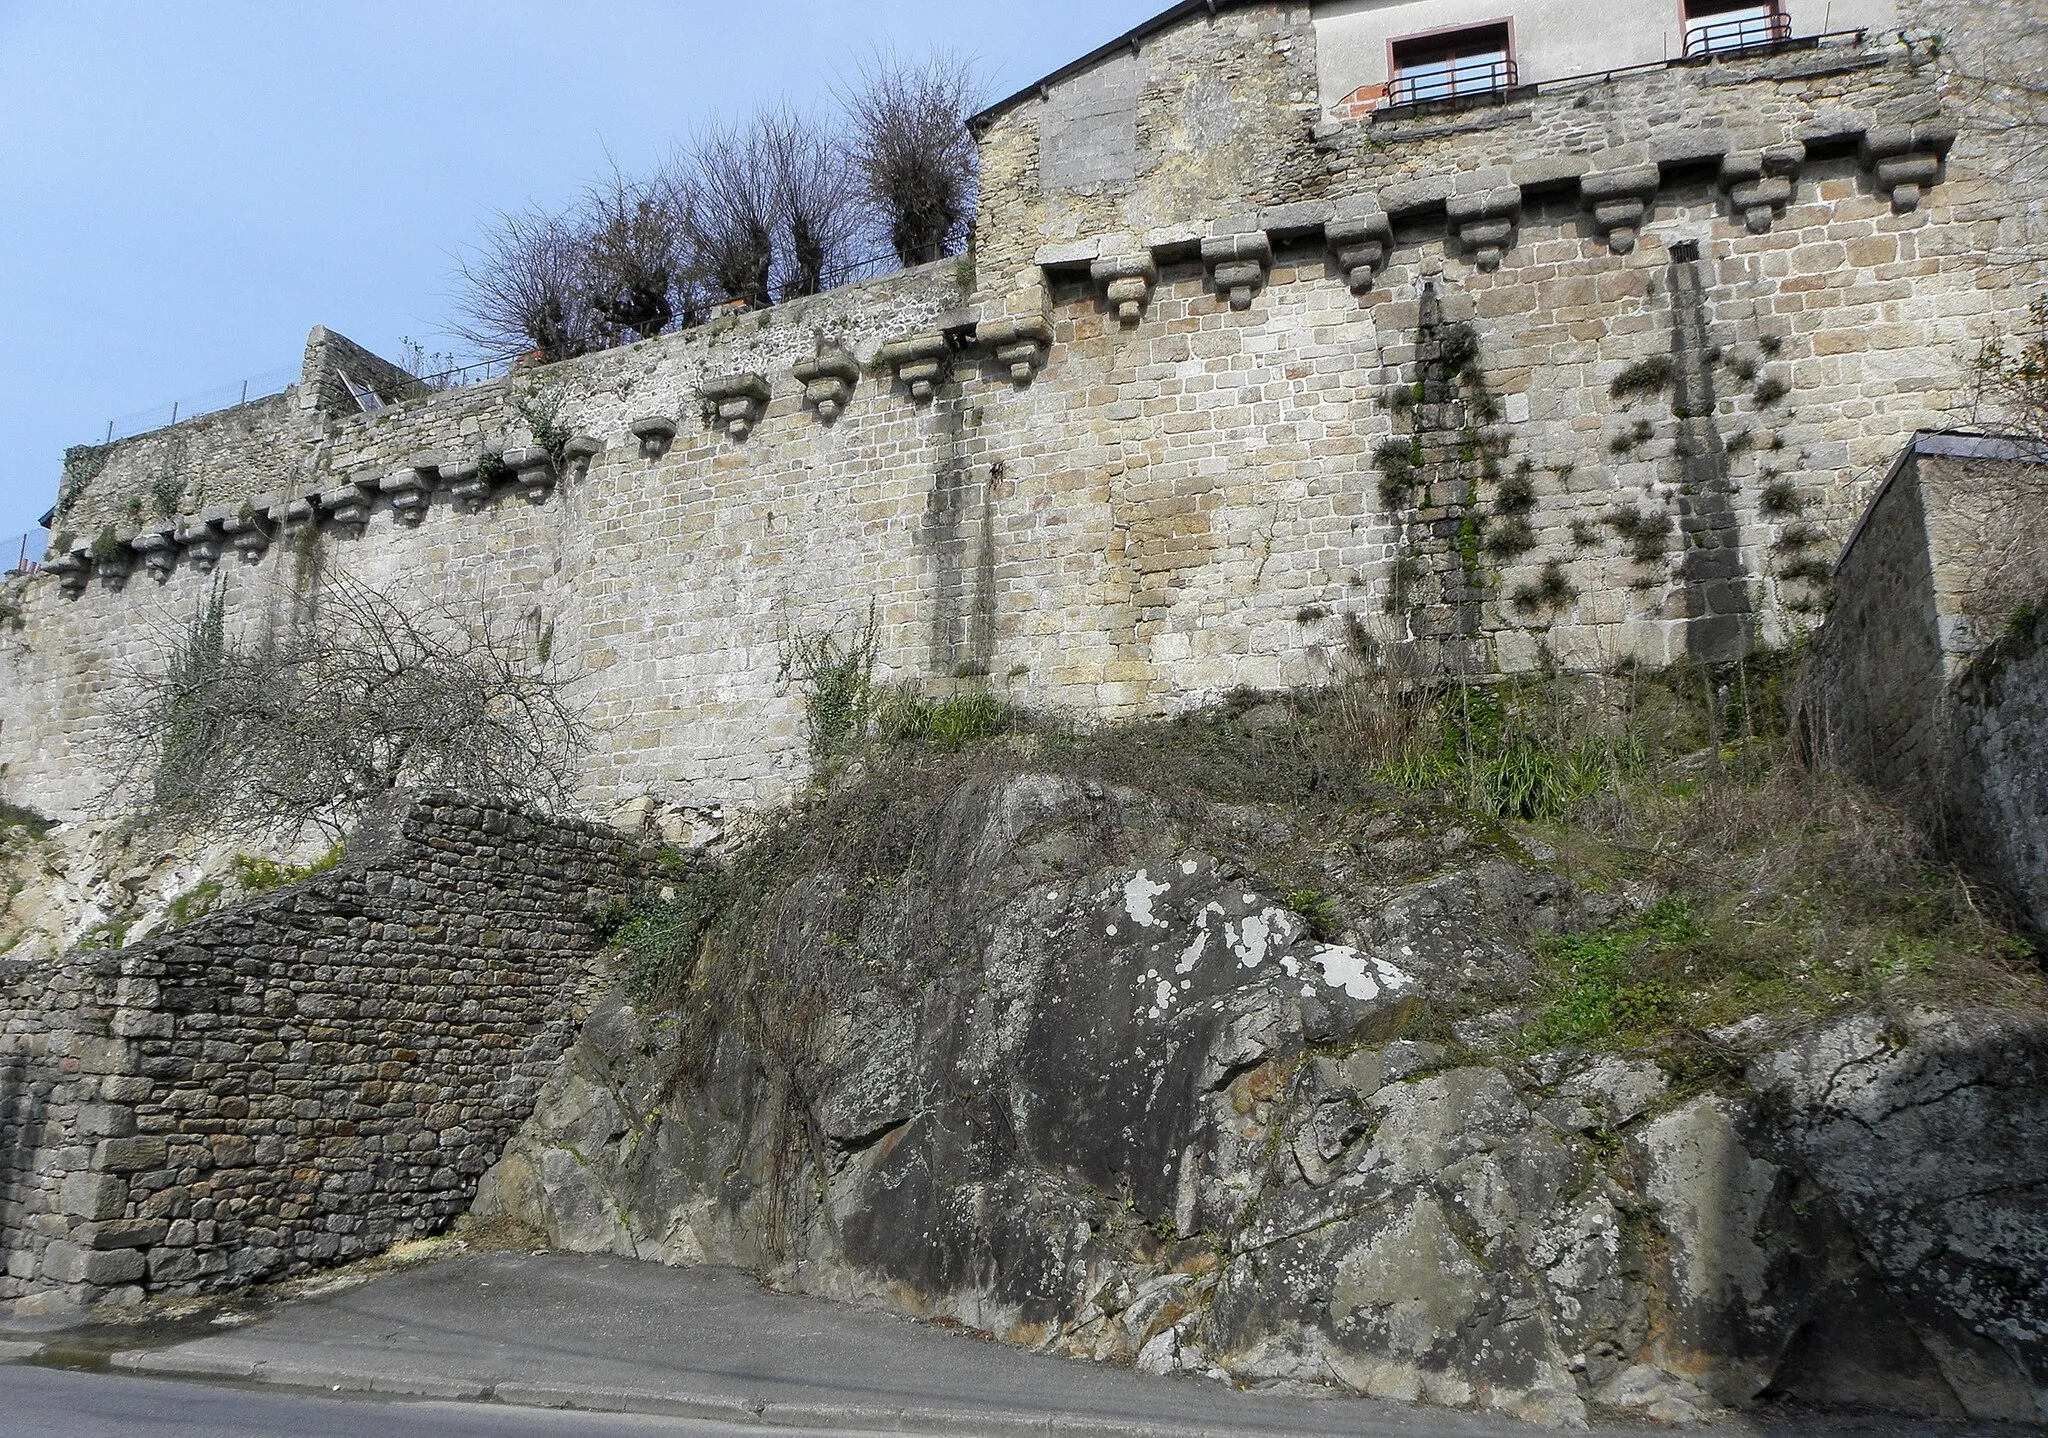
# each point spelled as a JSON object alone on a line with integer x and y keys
{"x": 93, "y": 1196}
{"x": 131, "y": 1155}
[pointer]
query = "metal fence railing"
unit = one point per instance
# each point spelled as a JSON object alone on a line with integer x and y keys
{"x": 225, "y": 396}
{"x": 1452, "y": 80}
{"x": 23, "y": 553}
{"x": 1746, "y": 31}
{"x": 469, "y": 374}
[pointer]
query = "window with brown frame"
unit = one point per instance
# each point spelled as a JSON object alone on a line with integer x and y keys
{"x": 1720, "y": 27}
{"x": 1450, "y": 65}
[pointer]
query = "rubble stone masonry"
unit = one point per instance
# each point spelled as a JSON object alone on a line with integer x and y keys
{"x": 307, "y": 1077}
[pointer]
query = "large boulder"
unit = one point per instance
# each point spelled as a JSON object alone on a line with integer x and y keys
{"x": 1070, "y": 1072}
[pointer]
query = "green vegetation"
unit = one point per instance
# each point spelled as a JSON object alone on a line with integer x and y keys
{"x": 1745, "y": 887}
{"x": 540, "y": 406}
{"x": 260, "y": 876}
{"x": 196, "y": 902}
{"x": 1316, "y": 909}
{"x": 660, "y": 936}
{"x": 1651, "y": 376}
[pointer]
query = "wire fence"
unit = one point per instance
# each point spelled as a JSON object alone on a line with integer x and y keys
{"x": 23, "y": 553}
{"x": 191, "y": 406}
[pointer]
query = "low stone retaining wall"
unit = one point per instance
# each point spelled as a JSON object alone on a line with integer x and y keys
{"x": 306, "y": 1077}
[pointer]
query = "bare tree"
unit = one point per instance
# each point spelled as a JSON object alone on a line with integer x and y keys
{"x": 817, "y": 203}
{"x": 727, "y": 184}
{"x": 369, "y": 694}
{"x": 528, "y": 289}
{"x": 911, "y": 147}
{"x": 634, "y": 239}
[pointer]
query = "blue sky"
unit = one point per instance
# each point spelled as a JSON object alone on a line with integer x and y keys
{"x": 186, "y": 189}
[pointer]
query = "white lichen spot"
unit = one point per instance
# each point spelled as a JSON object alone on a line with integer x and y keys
{"x": 1110, "y": 930}
{"x": 1139, "y": 892}
{"x": 1053, "y": 897}
{"x": 1192, "y": 954}
{"x": 1188, "y": 867}
{"x": 1361, "y": 976}
{"x": 1251, "y": 936}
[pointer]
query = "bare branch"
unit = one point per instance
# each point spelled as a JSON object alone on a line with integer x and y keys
{"x": 365, "y": 696}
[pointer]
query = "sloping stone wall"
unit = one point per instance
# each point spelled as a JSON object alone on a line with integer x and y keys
{"x": 306, "y": 1077}
{"x": 1928, "y": 677}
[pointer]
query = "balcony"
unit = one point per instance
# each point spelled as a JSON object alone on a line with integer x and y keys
{"x": 1461, "y": 79}
{"x": 1734, "y": 34}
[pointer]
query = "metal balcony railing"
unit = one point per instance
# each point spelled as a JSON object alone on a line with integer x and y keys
{"x": 1725, "y": 37}
{"x": 1457, "y": 80}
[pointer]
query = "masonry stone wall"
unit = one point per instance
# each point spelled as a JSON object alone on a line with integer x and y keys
{"x": 1606, "y": 373}
{"x": 2001, "y": 744}
{"x": 1927, "y": 679}
{"x": 306, "y": 1077}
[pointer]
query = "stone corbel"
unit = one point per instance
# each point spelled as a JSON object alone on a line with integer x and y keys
{"x": 159, "y": 551}
{"x": 1238, "y": 255}
{"x": 465, "y": 480}
{"x": 736, "y": 400}
{"x": 1906, "y": 160}
{"x": 348, "y": 507}
{"x": 828, "y": 381}
{"x": 200, "y": 541}
{"x": 71, "y": 570}
{"x": 1760, "y": 182}
{"x": 919, "y": 361}
{"x": 1361, "y": 239}
{"x": 1483, "y": 214}
{"x": 533, "y": 471}
{"x": 249, "y": 529}
{"x": 656, "y": 432}
{"x": 408, "y": 490}
{"x": 1127, "y": 282}
{"x": 578, "y": 453}
{"x": 1619, "y": 199}
{"x": 1020, "y": 343}
{"x": 113, "y": 569}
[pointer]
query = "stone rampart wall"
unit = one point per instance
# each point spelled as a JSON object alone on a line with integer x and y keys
{"x": 306, "y": 1077}
{"x": 1593, "y": 405}
{"x": 2001, "y": 738}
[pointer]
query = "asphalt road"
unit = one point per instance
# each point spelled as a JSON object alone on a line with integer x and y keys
{"x": 49, "y": 1403}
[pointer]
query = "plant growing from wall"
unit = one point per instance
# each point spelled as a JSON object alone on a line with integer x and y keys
{"x": 1648, "y": 535}
{"x": 835, "y": 679}
{"x": 105, "y": 545}
{"x": 1781, "y": 497}
{"x": 1552, "y": 591}
{"x": 1648, "y": 377}
{"x": 83, "y": 463}
{"x": 539, "y": 405}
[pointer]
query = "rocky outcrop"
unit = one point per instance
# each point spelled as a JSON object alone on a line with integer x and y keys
{"x": 1066, "y": 1070}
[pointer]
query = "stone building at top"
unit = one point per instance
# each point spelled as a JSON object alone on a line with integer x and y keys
{"x": 1459, "y": 335}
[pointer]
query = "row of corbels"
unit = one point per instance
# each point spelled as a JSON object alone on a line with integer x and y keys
{"x": 248, "y": 530}
{"x": 736, "y": 402}
{"x": 1483, "y": 210}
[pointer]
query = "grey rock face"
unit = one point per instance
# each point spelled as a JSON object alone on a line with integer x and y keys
{"x": 1138, "y": 1113}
